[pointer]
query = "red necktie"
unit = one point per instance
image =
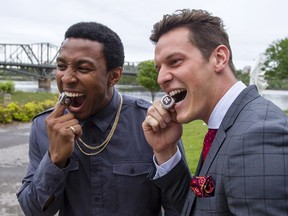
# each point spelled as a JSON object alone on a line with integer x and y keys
{"x": 209, "y": 137}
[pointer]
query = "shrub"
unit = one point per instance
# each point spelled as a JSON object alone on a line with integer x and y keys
{"x": 7, "y": 87}
{"x": 24, "y": 113}
{"x": 5, "y": 115}
{"x": 14, "y": 110}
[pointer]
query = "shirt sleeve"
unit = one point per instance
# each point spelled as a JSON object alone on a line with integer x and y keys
{"x": 46, "y": 183}
{"x": 44, "y": 180}
{"x": 164, "y": 168}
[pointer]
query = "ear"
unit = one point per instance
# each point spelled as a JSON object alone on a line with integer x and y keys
{"x": 222, "y": 56}
{"x": 115, "y": 76}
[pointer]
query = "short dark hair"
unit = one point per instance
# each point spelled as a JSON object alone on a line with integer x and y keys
{"x": 206, "y": 31}
{"x": 113, "y": 49}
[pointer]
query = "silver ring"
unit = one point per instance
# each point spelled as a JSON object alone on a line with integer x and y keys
{"x": 73, "y": 129}
{"x": 167, "y": 102}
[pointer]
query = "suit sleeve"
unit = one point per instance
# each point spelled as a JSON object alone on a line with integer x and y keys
{"x": 175, "y": 184}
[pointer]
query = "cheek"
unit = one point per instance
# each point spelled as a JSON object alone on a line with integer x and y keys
{"x": 58, "y": 77}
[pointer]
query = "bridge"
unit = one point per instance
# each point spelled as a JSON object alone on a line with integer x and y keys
{"x": 38, "y": 60}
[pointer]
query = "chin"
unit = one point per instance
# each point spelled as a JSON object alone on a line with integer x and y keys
{"x": 180, "y": 120}
{"x": 184, "y": 118}
{"x": 80, "y": 116}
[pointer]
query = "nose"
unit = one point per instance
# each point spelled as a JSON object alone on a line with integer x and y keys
{"x": 164, "y": 76}
{"x": 68, "y": 76}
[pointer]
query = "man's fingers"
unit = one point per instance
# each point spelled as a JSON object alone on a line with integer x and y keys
{"x": 58, "y": 111}
{"x": 76, "y": 129}
{"x": 162, "y": 116}
{"x": 151, "y": 123}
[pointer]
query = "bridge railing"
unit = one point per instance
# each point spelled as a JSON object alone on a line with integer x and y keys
{"x": 38, "y": 60}
{"x": 37, "y": 53}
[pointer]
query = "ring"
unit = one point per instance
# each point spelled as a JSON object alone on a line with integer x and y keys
{"x": 167, "y": 102}
{"x": 73, "y": 129}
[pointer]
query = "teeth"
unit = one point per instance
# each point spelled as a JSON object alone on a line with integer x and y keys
{"x": 73, "y": 94}
{"x": 174, "y": 92}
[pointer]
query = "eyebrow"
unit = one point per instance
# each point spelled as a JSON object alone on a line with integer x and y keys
{"x": 171, "y": 55}
{"x": 80, "y": 61}
{"x": 59, "y": 59}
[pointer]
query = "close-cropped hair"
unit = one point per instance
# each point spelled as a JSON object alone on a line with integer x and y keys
{"x": 206, "y": 31}
{"x": 113, "y": 49}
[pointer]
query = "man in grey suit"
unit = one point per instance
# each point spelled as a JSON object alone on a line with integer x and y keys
{"x": 246, "y": 169}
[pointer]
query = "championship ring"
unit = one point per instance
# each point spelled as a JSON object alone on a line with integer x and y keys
{"x": 167, "y": 102}
{"x": 64, "y": 99}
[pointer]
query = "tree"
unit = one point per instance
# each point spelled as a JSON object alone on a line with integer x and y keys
{"x": 147, "y": 77}
{"x": 244, "y": 77}
{"x": 276, "y": 64}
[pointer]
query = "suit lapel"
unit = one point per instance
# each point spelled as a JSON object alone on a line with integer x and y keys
{"x": 247, "y": 95}
{"x": 215, "y": 147}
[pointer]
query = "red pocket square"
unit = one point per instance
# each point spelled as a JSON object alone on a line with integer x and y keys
{"x": 202, "y": 186}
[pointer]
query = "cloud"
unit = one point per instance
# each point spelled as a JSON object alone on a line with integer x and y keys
{"x": 251, "y": 25}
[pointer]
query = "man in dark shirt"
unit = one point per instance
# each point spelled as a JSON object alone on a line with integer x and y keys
{"x": 88, "y": 155}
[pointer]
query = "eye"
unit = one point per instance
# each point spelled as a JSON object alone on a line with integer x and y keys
{"x": 83, "y": 69}
{"x": 175, "y": 62}
{"x": 61, "y": 66}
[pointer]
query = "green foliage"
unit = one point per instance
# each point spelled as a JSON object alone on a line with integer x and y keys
{"x": 47, "y": 104}
{"x": 275, "y": 83}
{"x": 5, "y": 115}
{"x": 14, "y": 110}
{"x": 244, "y": 77}
{"x": 25, "y": 97}
{"x": 147, "y": 76}
{"x": 7, "y": 87}
{"x": 23, "y": 113}
{"x": 276, "y": 64}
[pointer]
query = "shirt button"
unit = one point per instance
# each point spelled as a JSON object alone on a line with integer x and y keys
{"x": 132, "y": 171}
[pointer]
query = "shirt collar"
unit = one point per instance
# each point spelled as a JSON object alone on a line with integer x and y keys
{"x": 104, "y": 118}
{"x": 224, "y": 104}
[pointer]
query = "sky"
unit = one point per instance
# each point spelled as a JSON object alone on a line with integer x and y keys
{"x": 252, "y": 25}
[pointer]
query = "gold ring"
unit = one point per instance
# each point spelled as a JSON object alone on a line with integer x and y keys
{"x": 73, "y": 129}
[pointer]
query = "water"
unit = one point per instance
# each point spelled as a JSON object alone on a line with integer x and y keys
{"x": 32, "y": 86}
{"x": 136, "y": 91}
{"x": 280, "y": 98}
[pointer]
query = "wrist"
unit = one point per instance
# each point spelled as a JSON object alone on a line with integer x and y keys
{"x": 61, "y": 163}
{"x": 164, "y": 155}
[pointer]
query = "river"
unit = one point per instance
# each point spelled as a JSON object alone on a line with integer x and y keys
{"x": 137, "y": 91}
{"x": 280, "y": 98}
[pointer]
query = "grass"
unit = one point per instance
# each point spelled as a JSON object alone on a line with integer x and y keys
{"x": 192, "y": 138}
{"x": 25, "y": 97}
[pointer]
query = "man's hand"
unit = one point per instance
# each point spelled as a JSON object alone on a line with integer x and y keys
{"x": 60, "y": 134}
{"x": 162, "y": 131}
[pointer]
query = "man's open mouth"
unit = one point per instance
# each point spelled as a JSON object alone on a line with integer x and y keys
{"x": 76, "y": 99}
{"x": 178, "y": 94}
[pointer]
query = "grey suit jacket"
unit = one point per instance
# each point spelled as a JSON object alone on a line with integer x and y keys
{"x": 248, "y": 162}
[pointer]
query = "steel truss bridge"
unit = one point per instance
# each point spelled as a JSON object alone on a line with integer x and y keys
{"x": 38, "y": 60}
